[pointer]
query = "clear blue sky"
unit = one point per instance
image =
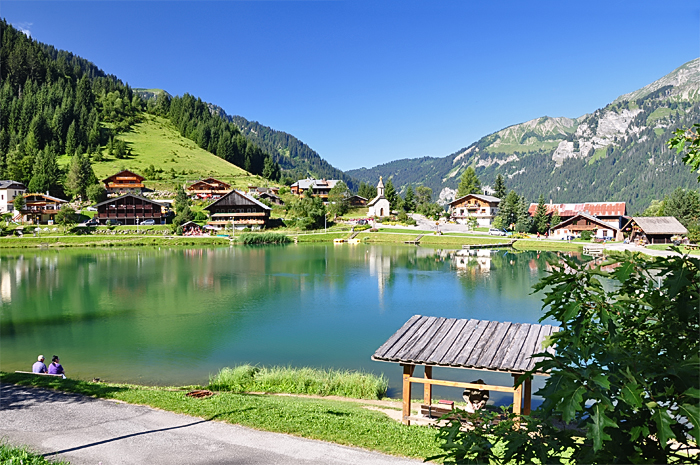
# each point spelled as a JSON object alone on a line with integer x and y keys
{"x": 366, "y": 82}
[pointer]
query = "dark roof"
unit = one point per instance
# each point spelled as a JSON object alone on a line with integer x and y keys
{"x": 462, "y": 343}
{"x": 122, "y": 172}
{"x": 114, "y": 199}
{"x": 660, "y": 225}
{"x": 11, "y": 185}
{"x": 590, "y": 218}
{"x": 226, "y": 201}
{"x": 485, "y": 198}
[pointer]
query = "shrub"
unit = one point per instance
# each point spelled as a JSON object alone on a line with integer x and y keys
{"x": 586, "y": 235}
{"x": 264, "y": 238}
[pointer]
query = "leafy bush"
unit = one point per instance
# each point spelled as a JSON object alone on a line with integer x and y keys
{"x": 345, "y": 383}
{"x": 586, "y": 235}
{"x": 20, "y": 455}
{"x": 200, "y": 216}
{"x": 264, "y": 238}
{"x": 362, "y": 227}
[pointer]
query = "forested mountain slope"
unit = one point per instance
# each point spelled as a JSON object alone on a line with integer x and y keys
{"x": 616, "y": 153}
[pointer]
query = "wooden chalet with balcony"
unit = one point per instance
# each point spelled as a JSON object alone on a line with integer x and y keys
{"x": 208, "y": 188}
{"x": 131, "y": 209}
{"x": 40, "y": 208}
{"x": 319, "y": 187}
{"x": 483, "y": 208}
{"x": 124, "y": 182}
{"x": 612, "y": 213}
{"x": 573, "y": 227}
{"x": 238, "y": 210}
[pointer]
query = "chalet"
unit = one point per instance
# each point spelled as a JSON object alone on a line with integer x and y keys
{"x": 41, "y": 208}
{"x": 8, "y": 191}
{"x": 572, "y": 228}
{"x": 131, "y": 209}
{"x": 610, "y": 212}
{"x": 319, "y": 187}
{"x": 238, "y": 210}
{"x": 483, "y": 208}
{"x": 271, "y": 197}
{"x": 124, "y": 182}
{"x": 192, "y": 229}
{"x": 653, "y": 229}
{"x": 208, "y": 188}
{"x": 357, "y": 201}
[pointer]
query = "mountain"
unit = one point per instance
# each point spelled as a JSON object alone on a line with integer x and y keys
{"x": 616, "y": 153}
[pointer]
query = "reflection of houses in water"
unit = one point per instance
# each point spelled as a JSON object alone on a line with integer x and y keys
{"x": 379, "y": 266}
{"x": 478, "y": 260}
{"x": 6, "y": 287}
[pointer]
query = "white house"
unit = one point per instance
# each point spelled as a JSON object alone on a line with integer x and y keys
{"x": 8, "y": 191}
{"x": 379, "y": 206}
{"x": 482, "y": 208}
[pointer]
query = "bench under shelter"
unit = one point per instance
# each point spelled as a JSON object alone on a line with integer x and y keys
{"x": 466, "y": 343}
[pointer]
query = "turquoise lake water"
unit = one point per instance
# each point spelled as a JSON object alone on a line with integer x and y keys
{"x": 175, "y": 316}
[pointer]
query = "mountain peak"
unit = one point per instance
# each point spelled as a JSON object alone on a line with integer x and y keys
{"x": 683, "y": 83}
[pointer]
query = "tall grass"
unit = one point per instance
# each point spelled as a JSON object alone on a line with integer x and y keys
{"x": 12, "y": 455}
{"x": 290, "y": 380}
{"x": 264, "y": 238}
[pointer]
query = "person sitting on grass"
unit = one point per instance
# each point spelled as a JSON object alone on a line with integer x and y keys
{"x": 39, "y": 366}
{"x": 55, "y": 368}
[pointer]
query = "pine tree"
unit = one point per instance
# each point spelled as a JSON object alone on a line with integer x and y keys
{"x": 469, "y": 184}
{"x": 71, "y": 140}
{"x": 499, "y": 187}
{"x": 80, "y": 176}
{"x": 508, "y": 210}
{"x": 367, "y": 191}
{"x": 409, "y": 202}
{"x": 540, "y": 220}
{"x": 556, "y": 219}
{"x": 524, "y": 222}
{"x": 46, "y": 174}
{"x": 391, "y": 195}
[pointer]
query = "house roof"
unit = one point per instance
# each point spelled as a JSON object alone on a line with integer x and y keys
{"x": 316, "y": 183}
{"x": 482, "y": 197}
{"x": 376, "y": 199}
{"x": 45, "y": 196}
{"x": 660, "y": 225}
{"x": 114, "y": 199}
{"x": 466, "y": 343}
{"x": 356, "y": 197}
{"x": 224, "y": 200}
{"x": 592, "y": 208}
{"x": 7, "y": 184}
{"x": 590, "y": 218}
{"x": 124, "y": 172}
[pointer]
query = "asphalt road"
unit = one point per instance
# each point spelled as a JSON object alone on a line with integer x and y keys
{"x": 83, "y": 430}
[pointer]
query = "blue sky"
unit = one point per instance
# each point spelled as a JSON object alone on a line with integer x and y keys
{"x": 367, "y": 82}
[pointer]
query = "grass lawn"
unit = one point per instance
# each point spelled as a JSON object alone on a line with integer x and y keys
{"x": 403, "y": 231}
{"x": 683, "y": 249}
{"x": 342, "y": 422}
{"x": 108, "y": 241}
{"x": 155, "y": 141}
{"x": 11, "y": 455}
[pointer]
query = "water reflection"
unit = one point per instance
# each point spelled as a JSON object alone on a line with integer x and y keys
{"x": 163, "y": 315}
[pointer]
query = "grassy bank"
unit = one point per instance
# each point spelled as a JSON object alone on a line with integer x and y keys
{"x": 10, "y": 455}
{"x": 342, "y": 422}
{"x": 108, "y": 241}
{"x": 248, "y": 378}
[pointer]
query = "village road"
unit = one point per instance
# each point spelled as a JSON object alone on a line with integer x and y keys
{"x": 83, "y": 430}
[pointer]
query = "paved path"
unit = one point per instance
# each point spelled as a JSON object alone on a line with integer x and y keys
{"x": 83, "y": 430}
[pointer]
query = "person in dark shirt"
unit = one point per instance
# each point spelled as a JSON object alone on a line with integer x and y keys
{"x": 39, "y": 366}
{"x": 55, "y": 368}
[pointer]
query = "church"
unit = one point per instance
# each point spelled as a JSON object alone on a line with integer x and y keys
{"x": 379, "y": 206}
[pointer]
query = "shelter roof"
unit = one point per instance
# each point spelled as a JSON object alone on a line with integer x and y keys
{"x": 466, "y": 343}
{"x": 660, "y": 225}
{"x": 592, "y": 208}
{"x": 46, "y": 197}
{"x": 590, "y": 218}
{"x": 229, "y": 199}
{"x": 483, "y": 198}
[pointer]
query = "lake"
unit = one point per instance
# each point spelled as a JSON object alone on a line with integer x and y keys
{"x": 173, "y": 316}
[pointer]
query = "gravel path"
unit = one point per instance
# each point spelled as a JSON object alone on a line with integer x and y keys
{"x": 83, "y": 430}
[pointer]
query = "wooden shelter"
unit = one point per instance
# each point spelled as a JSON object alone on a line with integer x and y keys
{"x": 238, "y": 209}
{"x": 124, "y": 182}
{"x": 654, "y": 229}
{"x": 465, "y": 343}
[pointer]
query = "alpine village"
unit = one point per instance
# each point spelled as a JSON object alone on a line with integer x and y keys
{"x": 530, "y": 298}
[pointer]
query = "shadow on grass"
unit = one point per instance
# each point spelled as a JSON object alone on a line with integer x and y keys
{"x": 83, "y": 388}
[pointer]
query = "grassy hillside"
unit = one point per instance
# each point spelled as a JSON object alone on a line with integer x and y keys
{"x": 155, "y": 141}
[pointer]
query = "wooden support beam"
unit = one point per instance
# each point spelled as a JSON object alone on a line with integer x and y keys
{"x": 517, "y": 396}
{"x": 406, "y": 411}
{"x": 528, "y": 397}
{"x": 428, "y": 388}
{"x": 439, "y": 382}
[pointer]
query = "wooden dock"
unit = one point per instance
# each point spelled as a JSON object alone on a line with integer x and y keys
{"x": 490, "y": 246}
{"x": 594, "y": 250}
{"x": 415, "y": 241}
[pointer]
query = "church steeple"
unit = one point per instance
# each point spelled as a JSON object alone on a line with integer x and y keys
{"x": 380, "y": 188}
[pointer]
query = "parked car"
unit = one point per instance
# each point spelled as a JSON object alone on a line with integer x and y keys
{"x": 496, "y": 232}
{"x": 113, "y": 223}
{"x": 148, "y": 222}
{"x": 91, "y": 209}
{"x": 91, "y": 222}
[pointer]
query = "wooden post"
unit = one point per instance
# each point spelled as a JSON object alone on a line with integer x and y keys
{"x": 407, "y": 373}
{"x": 428, "y": 388}
{"x": 517, "y": 396}
{"x": 528, "y": 396}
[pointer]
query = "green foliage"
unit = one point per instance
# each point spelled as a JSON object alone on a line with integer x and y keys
{"x": 405, "y": 219}
{"x": 12, "y": 455}
{"x": 586, "y": 235}
{"x": 96, "y": 193}
{"x": 555, "y": 220}
{"x": 264, "y": 238}
{"x": 424, "y": 198}
{"x": 509, "y": 210}
{"x": 200, "y": 216}
{"x": 367, "y": 191}
{"x": 271, "y": 169}
{"x": 688, "y": 141}
{"x": 181, "y": 199}
{"x": 66, "y": 217}
{"x": 19, "y": 203}
{"x": 684, "y": 205}
{"x": 247, "y": 378}
{"x": 308, "y": 212}
{"x": 469, "y": 183}
{"x": 46, "y": 176}
{"x": 338, "y": 199}
{"x": 392, "y": 195}
{"x": 499, "y": 187}
{"x": 624, "y": 373}
{"x": 540, "y": 222}
{"x": 80, "y": 176}
{"x": 409, "y": 200}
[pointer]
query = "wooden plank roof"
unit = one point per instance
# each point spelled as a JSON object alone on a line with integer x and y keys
{"x": 466, "y": 343}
